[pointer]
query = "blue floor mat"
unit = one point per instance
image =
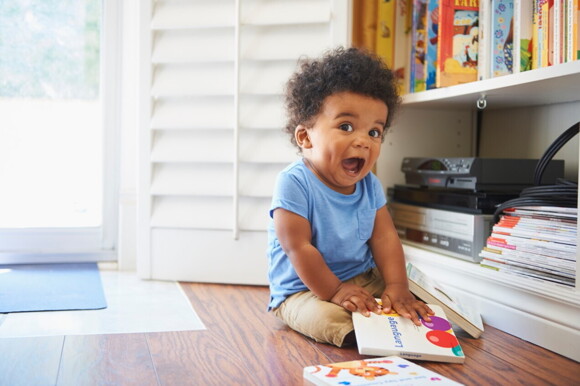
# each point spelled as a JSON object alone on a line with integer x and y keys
{"x": 50, "y": 287}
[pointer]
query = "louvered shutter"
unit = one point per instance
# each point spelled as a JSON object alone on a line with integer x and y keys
{"x": 211, "y": 141}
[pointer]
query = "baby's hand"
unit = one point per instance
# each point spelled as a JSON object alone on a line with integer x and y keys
{"x": 355, "y": 298}
{"x": 405, "y": 304}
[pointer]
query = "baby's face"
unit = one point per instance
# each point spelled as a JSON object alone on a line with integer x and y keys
{"x": 345, "y": 141}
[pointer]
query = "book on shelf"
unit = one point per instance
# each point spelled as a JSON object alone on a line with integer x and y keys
{"x": 385, "y": 39}
{"x": 538, "y": 243}
{"x": 392, "y": 334}
{"x": 418, "y": 46}
{"x": 556, "y": 32}
{"x": 575, "y": 29}
{"x": 571, "y": 30}
{"x": 458, "y": 42}
{"x": 401, "y": 60}
{"x": 389, "y": 370}
{"x": 456, "y": 309}
{"x": 431, "y": 39}
{"x": 502, "y": 37}
{"x": 484, "y": 40}
{"x": 523, "y": 32}
{"x": 540, "y": 37}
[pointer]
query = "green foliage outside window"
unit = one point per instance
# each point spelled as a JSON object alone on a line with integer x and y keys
{"x": 50, "y": 48}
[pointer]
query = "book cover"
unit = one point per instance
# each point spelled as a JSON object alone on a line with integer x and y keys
{"x": 484, "y": 40}
{"x": 523, "y": 32}
{"x": 392, "y": 334}
{"x": 385, "y": 40}
{"x": 576, "y": 32}
{"x": 458, "y": 42}
{"x": 432, "y": 36}
{"x": 555, "y": 33}
{"x": 502, "y": 44}
{"x": 401, "y": 63}
{"x": 456, "y": 309}
{"x": 377, "y": 371}
{"x": 418, "y": 45}
{"x": 540, "y": 37}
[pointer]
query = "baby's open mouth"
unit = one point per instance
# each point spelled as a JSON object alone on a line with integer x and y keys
{"x": 353, "y": 165}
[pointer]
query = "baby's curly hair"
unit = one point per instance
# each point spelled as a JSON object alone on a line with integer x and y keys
{"x": 339, "y": 70}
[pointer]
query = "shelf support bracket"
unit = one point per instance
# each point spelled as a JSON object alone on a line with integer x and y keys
{"x": 481, "y": 102}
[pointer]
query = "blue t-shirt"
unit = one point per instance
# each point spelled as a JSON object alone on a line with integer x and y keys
{"x": 341, "y": 226}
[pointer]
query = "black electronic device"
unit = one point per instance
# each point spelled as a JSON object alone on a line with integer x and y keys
{"x": 465, "y": 201}
{"x": 477, "y": 174}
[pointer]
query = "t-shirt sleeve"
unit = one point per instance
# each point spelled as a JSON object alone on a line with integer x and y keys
{"x": 379, "y": 192}
{"x": 290, "y": 193}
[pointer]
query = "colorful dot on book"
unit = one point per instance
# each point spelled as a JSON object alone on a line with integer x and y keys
{"x": 344, "y": 383}
{"x": 437, "y": 323}
{"x": 435, "y": 379}
{"x": 442, "y": 339}
{"x": 403, "y": 366}
{"x": 457, "y": 351}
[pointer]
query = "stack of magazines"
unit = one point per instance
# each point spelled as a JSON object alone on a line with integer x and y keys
{"x": 538, "y": 242}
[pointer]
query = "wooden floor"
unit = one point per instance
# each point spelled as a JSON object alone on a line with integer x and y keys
{"x": 245, "y": 345}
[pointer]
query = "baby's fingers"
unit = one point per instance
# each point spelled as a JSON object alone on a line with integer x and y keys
{"x": 348, "y": 305}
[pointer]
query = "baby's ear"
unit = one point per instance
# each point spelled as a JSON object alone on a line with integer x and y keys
{"x": 302, "y": 137}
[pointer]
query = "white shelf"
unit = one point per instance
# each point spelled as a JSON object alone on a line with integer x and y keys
{"x": 556, "y": 84}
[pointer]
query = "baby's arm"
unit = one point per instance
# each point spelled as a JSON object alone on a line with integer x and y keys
{"x": 294, "y": 234}
{"x": 390, "y": 259}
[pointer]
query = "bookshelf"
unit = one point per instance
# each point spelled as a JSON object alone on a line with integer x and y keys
{"x": 555, "y": 84}
{"x": 536, "y": 311}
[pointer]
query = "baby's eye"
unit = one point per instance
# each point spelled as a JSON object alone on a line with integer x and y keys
{"x": 375, "y": 133}
{"x": 346, "y": 127}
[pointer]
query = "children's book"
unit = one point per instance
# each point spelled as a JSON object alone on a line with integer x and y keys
{"x": 401, "y": 60}
{"x": 431, "y": 52}
{"x": 385, "y": 41}
{"x": 391, "y": 370}
{"x": 392, "y": 334}
{"x": 458, "y": 42}
{"x": 484, "y": 41}
{"x": 456, "y": 309}
{"x": 540, "y": 37}
{"x": 555, "y": 33}
{"x": 523, "y": 32}
{"x": 502, "y": 43}
{"x": 418, "y": 45}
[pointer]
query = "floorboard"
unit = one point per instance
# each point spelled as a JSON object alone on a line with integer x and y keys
{"x": 114, "y": 359}
{"x": 243, "y": 344}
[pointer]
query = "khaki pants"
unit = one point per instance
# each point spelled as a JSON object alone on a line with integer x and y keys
{"x": 321, "y": 320}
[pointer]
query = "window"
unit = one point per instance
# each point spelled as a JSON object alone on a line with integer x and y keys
{"x": 52, "y": 129}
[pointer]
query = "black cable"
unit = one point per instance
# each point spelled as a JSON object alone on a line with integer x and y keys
{"x": 552, "y": 150}
{"x": 563, "y": 194}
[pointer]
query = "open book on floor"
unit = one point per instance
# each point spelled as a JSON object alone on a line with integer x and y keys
{"x": 456, "y": 309}
{"x": 392, "y": 334}
{"x": 390, "y": 370}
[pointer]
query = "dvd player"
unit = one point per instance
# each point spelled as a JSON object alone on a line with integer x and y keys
{"x": 456, "y": 234}
{"x": 477, "y": 174}
{"x": 465, "y": 201}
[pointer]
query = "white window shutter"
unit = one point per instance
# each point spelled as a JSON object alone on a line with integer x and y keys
{"x": 211, "y": 140}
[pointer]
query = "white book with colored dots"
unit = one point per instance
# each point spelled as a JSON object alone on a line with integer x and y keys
{"x": 391, "y": 334}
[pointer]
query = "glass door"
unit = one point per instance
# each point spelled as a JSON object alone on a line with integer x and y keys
{"x": 56, "y": 194}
